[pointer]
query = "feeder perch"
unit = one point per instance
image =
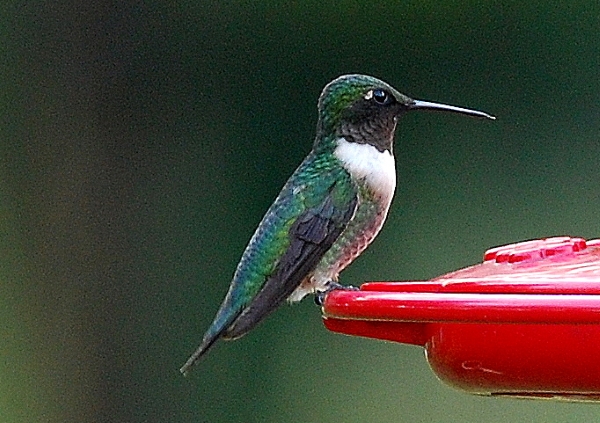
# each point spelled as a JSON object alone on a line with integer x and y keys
{"x": 524, "y": 322}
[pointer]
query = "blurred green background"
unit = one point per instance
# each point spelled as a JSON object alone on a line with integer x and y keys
{"x": 141, "y": 143}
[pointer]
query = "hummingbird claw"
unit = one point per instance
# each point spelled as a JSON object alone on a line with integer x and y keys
{"x": 320, "y": 298}
{"x": 332, "y": 286}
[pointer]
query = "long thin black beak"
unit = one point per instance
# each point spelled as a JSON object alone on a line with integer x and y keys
{"x": 426, "y": 105}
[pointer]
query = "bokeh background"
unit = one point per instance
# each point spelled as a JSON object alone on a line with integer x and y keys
{"x": 141, "y": 143}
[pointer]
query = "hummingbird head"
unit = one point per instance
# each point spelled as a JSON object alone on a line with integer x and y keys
{"x": 364, "y": 110}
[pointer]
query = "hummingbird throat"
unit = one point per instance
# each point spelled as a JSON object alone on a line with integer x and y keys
{"x": 376, "y": 132}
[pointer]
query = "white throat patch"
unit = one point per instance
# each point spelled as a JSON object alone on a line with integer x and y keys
{"x": 364, "y": 161}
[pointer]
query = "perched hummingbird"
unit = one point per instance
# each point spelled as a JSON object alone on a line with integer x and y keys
{"x": 328, "y": 212}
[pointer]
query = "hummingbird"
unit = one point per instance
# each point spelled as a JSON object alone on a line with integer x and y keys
{"x": 329, "y": 210}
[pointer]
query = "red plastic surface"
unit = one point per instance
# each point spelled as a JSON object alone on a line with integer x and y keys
{"x": 524, "y": 322}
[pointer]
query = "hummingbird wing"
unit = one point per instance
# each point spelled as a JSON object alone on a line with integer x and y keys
{"x": 310, "y": 213}
{"x": 310, "y": 237}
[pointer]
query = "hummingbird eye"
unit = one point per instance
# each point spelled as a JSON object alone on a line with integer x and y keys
{"x": 381, "y": 96}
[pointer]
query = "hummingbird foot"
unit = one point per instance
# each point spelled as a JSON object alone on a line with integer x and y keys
{"x": 332, "y": 286}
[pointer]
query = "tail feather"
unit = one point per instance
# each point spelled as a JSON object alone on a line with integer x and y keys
{"x": 216, "y": 330}
{"x": 202, "y": 349}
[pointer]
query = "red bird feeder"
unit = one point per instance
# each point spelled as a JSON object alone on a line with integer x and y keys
{"x": 525, "y": 322}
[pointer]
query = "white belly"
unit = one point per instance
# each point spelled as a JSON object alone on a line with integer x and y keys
{"x": 377, "y": 169}
{"x": 364, "y": 161}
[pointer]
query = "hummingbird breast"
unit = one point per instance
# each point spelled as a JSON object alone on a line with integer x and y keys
{"x": 374, "y": 174}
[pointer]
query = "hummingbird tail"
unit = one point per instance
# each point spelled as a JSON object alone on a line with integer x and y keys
{"x": 216, "y": 330}
{"x": 207, "y": 342}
